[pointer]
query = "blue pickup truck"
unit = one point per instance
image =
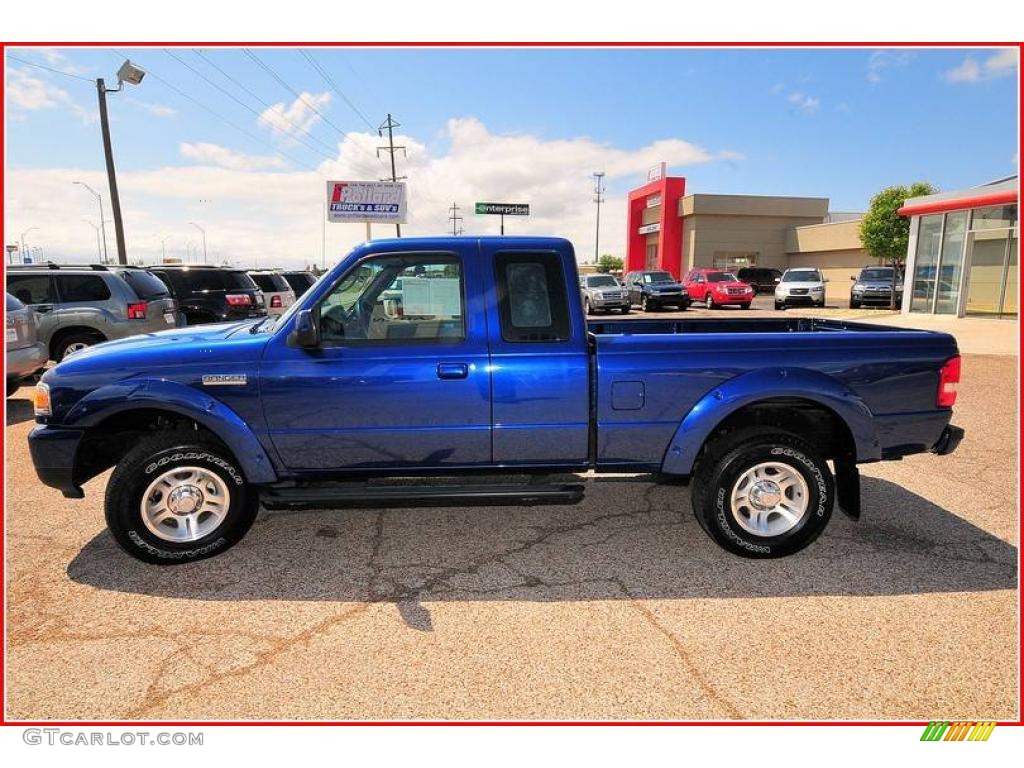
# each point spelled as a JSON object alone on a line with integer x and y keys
{"x": 462, "y": 370}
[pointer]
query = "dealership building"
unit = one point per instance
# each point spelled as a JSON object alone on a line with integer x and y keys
{"x": 963, "y": 251}
{"x": 677, "y": 232}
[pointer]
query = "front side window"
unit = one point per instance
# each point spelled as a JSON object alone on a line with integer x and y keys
{"x": 532, "y": 300}
{"x": 396, "y": 299}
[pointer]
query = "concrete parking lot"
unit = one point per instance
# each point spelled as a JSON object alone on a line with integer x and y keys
{"x": 619, "y": 607}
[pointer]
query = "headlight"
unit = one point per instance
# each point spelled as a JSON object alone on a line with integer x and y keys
{"x": 858, "y": 287}
{"x": 818, "y": 289}
{"x": 42, "y": 400}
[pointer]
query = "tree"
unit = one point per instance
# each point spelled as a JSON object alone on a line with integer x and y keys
{"x": 608, "y": 263}
{"x": 883, "y": 232}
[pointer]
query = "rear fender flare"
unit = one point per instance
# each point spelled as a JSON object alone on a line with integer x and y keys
{"x": 212, "y": 414}
{"x": 768, "y": 384}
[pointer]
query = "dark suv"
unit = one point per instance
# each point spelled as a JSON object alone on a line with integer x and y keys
{"x": 761, "y": 279}
{"x": 299, "y": 281}
{"x": 208, "y": 294}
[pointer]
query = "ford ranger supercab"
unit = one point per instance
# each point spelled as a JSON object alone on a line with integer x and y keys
{"x": 484, "y": 369}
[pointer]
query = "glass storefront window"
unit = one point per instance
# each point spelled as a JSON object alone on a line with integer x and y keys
{"x": 992, "y": 261}
{"x": 951, "y": 263}
{"x": 929, "y": 235}
{"x": 996, "y": 217}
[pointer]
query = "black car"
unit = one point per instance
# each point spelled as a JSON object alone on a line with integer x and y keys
{"x": 208, "y": 294}
{"x": 655, "y": 289}
{"x": 300, "y": 281}
{"x": 761, "y": 279}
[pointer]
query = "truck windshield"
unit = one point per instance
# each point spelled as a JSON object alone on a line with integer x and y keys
{"x": 802, "y": 276}
{"x": 602, "y": 281}
{"x": 721, "y": 277}
{"x": 658, "y": 277}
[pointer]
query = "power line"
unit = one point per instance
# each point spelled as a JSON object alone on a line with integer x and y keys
{"x": 51, "y": 69}
{"x": 300, "y": 97}
{"x": 327, "y": 78}
{"x": 220, "y": 117}
{"x": 267, "y": 105}
{"x": 239, "y": 101}
{"x": 454, "y": 218}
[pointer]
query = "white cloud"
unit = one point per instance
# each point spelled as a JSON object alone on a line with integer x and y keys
{"x": 252, "y": 211}
{"x": 803, "y": 102}
{"x": 879, "y": 61}
{"x": 1000, "y": 64}
{"x": 295, "y": 118}
{"x": 157, "y": 110}
{"x": 214, "y": 154}
{"x": 30, "y": 93}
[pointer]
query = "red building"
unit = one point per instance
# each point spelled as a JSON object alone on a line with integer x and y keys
{"x": 655, "y": 239}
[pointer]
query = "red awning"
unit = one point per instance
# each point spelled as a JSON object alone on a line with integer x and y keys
{"x": 959, "y": 203}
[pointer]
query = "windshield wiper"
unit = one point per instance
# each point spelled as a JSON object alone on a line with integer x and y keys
{"x": 256, "y": 328}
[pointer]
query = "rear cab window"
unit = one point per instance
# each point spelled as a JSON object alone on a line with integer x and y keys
{"x": 532, "y": 301}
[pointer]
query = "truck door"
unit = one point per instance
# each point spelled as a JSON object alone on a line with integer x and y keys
{"x": 539, "y": 359}
{"x": 401, "y": 378}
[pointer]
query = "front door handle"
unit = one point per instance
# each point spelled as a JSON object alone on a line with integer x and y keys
{"x": 452, "y": 370}
{"x": 43, "y": 308}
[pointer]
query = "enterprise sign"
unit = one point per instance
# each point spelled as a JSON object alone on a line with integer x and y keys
{"x": 503, "y": 209}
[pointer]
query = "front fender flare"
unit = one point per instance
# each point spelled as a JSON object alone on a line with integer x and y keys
{"x": 164, "y": 395}
{"x": 768, "y": 384}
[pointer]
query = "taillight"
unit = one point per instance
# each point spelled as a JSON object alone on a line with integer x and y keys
{"x": 949, "y": 377}
{"x": 137, "y": 311}
{"x": 239, "y": 299}
{"x": 275, "y": 301}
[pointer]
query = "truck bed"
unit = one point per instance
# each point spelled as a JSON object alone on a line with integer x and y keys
{"x": 735, "y": 325}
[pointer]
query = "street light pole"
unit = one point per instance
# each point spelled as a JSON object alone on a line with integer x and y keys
{"x": 103, "y": 227}
{"x": 99, "y": 253}
{"x": 22, "y": 238}
{"x": 598, "y": 191}
{"x": 204, "y": 238}
{"x": 163, "y": 249}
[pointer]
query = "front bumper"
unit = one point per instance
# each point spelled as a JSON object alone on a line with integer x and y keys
{"x": 53, "y": 452}
{"x": 26, "y": 361}
{"x": 881, "y": 299}
{"x": 803, "y": 298}
{"x": 675, "y": 299}
{"x": 598, "y": 302}
{"x": 948, "y": 442}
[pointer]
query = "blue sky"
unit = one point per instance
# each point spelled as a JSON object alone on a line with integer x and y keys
{"x": 833, "y": 123}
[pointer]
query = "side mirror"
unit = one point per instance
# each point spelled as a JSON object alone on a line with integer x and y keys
{"x": 824, "y": 280}
{"x": 306, "y": 334}
{"x": 853, "y": 277}
{"x": 778, "y": 279}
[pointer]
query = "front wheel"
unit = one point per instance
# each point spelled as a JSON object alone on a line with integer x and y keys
{"x": 763, "y": 493}
{"x": 854, "y": 304}
{"x": 645, "y": 305}
{"x": 745, "y": 305}
{"x": 709, "y": 301}
{"x": 176, "y": 498}
{"x": 625, "y": 310}
{"x": 587, "y": 308}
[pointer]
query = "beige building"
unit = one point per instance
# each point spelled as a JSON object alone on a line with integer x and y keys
{"x": 834, "y": 248}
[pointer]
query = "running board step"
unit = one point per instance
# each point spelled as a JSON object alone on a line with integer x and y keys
{"x": 335, "y": 496}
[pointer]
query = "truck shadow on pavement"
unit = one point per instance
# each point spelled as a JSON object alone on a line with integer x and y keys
{"x": 626, "y": 540}
{"x": 19, "y": 410}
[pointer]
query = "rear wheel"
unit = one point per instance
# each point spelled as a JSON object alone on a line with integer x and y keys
{"x": 177, "y": 497}
{"x": 763, "y": 493}
{"x": 74, "y": 342}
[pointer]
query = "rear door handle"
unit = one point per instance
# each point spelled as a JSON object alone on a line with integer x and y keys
{"x": 452, "y": 370}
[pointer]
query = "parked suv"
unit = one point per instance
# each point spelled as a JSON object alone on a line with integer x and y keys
{"x": 800, "y": 286}
{"x": 79, "y": 306}
{"x": 717, "y": 288}
{"x": 761, "y": 279}
{"x": 299, "y": 281}
{"x": 655, "y": 289}
{"x": 873, "y": 286}
{"x": 208, "y": 294}
{"x": 603, "y": 292}
{"x": 25, "y": 355}
{"x": 277, "y": 293}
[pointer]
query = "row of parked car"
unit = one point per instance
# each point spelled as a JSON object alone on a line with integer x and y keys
{"x": 801, "y": 286}
{"x": 53, "y": 310}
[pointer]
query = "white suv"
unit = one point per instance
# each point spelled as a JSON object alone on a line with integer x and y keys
{"x": 804, "y": 286}
{"x": 276, "y": 290}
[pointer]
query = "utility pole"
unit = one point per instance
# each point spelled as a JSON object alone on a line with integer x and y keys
{"x": 390, "y": 124}
{"x": 103, "y": 225}
{"x": 454, "y": 218}
{"x": 108, "y": 152}
{"x": 204, "y": 238}
{"x": 598, "y": 191}
{"x": 99, "y": 253}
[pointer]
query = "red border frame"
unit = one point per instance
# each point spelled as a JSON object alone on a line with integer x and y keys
{"x": 4, "y": 722}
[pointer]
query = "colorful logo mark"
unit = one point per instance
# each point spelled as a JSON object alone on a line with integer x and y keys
{"x": 939, "y": 730}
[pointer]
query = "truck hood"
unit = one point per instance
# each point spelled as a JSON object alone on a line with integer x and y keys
{"x": 171, "y": 347}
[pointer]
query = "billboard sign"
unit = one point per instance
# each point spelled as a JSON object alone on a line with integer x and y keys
{"x": 358, "y": 202}
{"x": 503, "y": 209}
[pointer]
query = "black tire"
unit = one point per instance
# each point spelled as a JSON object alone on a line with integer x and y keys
{"x": 745, "y": 306}
{"x": 587, "y": 310}
{"x": 645, "y": 305}
{"x": 720, "y": 469}
{"x": 74, "y": 340}
{"x": 625, "y": 310}
{"x": 709, "y": 302}
{"x": 139, "y": 468}
{"x": 854, "y": 304}
{"x": 13, "y": 385}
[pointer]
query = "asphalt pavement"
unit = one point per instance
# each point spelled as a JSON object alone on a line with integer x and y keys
{"x": 619, "y": 607}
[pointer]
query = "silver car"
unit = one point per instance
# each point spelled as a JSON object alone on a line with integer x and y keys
{"x": 26, "y": 356}
{"x": 603, "y": 292}
{"x": 79, "y": 306}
